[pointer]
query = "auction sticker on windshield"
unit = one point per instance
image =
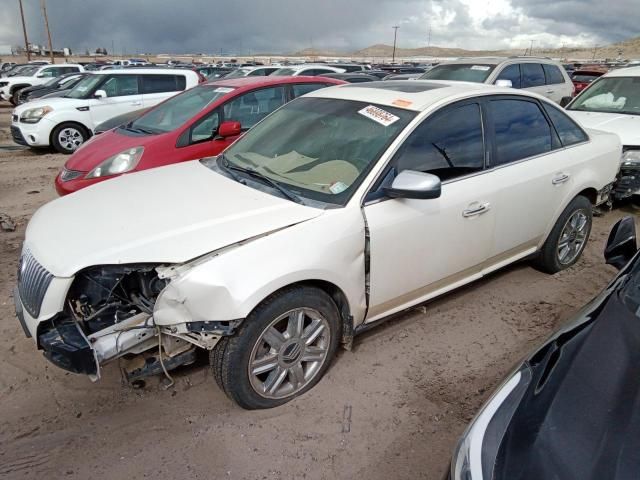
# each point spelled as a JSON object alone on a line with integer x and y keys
{"x": 379, "y": 115}
{"x": 484, "y": 68}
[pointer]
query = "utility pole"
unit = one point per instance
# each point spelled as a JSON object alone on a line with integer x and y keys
{"x": 429, "y": 40}
{"x": 24, "y": 31}
{"x": 46, "y": 24}
{"x": 531, "y": 48}
{"x": 395, "y": 37}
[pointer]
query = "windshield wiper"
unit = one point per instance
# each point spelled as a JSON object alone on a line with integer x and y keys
{"x": 129, "y": 126}
{"x": 226, "y": 164}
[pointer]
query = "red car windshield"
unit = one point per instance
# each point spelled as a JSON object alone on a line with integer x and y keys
{"x": 177, "y": 110}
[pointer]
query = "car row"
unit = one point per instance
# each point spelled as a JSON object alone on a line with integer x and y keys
{"x": 305, "y": 231}
{"x": 35, "y": 75}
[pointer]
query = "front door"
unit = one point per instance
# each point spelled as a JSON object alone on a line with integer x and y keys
{"x": 421, "y": 248}
{"x": 123, "y": 96}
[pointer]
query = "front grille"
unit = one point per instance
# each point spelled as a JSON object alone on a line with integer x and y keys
{"x": 16, "y": 134}
{"x": 67, "y": 175}
{"x": 33, "y": 282}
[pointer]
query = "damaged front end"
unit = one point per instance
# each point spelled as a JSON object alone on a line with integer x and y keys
{"x": 628, "y": 181}
{"x": 109, "y": 315}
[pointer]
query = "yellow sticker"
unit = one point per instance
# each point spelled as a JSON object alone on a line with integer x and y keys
{"x": 402, "y": 103}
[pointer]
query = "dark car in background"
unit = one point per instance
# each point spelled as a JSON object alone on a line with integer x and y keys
{"x": 59, "y": 84}
{"x": 353, "y": 77}
{"x": 570, "y": 411}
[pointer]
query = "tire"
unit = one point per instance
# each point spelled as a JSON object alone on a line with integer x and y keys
{"x": 14, "y": 97}
{"x": 282, "y": 361}
{"x": 67, "y": 137}
{"x": 570, "y": 231}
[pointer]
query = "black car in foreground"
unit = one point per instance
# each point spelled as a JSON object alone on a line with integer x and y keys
{"x": 58, "y": 84}
{"x": 571, "y": 410}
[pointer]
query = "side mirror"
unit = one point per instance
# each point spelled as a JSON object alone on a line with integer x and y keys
{"x": 565, "y": 101}
{"x": 412, "y": 184}
{"x": 229, "y": 129}
{"x": 504, "y": 83}
{"x": 100, "y": 94}
{"x": 621, "y": 245}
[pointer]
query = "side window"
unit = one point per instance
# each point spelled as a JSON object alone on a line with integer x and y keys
{"x": 511, "y": 72}
{"x": 532, "y": 75}
{"x": 252, "y": 107}
{"x": 568, "y": 131}
{"x": 520, "y": 130}
{"x": 449, "y": 144}
{"x": 359, "y": 79}
{"x": 257, "y": 73}
{"x": 161, "y": 83}
{"x": 205, "y": 128}
{"x": 121, "y": 85}
{"x": 49, "y": 72}
{"x": 303, "y": 88}
{"x": 552, "y": 74}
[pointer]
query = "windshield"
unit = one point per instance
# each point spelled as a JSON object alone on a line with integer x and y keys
{"x": 53, "y": 82}
{"x": 464, "y": 72}
{"x": 84, "y": 86}
{"x": 27, "y": 71}
{"x": 240, "y": 72}
{"x": 177, "y": 110}
{"x": 610, "y": 95}
{"x": 284, "y": 72}
{"x": 320, "y": 148}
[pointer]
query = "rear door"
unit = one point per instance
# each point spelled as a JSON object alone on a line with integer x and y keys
{"x": 123, "y": 96}
{"x": 528, "y": 173}
{"x": 533, "y": 78}
{"x": 158, "y": 87}
{"x": 558, "y": 86}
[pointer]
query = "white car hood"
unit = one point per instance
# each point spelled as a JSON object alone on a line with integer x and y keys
{"x": 164, "y": 215}
{"x": 13, "y": 80}
{"x": 627, "y": 127}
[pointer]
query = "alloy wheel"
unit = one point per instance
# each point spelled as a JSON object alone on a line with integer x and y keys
{"x": 573, "y": 237}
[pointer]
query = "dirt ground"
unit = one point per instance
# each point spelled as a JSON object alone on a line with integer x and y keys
{"x": 390, "y": 409}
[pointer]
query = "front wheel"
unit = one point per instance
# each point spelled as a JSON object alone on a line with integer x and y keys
{"x": 568, "y": 238}
{"x": 281, "y": 350}
{"x": 67, "y": 137}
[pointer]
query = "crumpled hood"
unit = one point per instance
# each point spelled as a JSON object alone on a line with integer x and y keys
{"x": 627, "y": 127}
{"x": 164, "y": 215}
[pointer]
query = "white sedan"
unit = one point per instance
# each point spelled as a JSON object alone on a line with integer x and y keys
{"x": 336, "y": 211}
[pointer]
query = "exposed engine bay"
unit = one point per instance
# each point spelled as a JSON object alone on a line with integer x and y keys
{"x": 108, "y": 315}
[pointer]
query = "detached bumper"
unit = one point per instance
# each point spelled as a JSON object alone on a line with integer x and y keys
{"x": 66, "y": 347}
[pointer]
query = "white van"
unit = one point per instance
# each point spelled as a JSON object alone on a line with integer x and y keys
{"x": 67, "y": 122}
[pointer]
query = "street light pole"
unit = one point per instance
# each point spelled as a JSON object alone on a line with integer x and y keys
{"x": 24, "y": 31}
{"x": 395, "y": 37}
{"x": 46, "y": 24}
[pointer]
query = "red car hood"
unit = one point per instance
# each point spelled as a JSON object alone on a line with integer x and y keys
{"x": 103, "y": 146}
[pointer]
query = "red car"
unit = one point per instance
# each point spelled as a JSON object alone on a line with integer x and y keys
{"x": 583, "y": 77}
{"x": 197, "y": 123}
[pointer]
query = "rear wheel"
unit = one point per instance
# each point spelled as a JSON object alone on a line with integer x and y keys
{"x": 282, "y": 349}
{"x": 569, "y": 237}
{"x": 67, "y": 137}
{"x": 15, "y": 97}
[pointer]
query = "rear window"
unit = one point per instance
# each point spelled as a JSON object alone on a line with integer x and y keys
{"x": 465, "y": 72}
{"x": 163, "y": 83}
{"x": 552, "y": 74}
{"x": 584, "y": 77}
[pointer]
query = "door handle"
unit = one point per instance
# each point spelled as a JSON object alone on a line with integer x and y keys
{"x": 560, "y": 178}
{"x": 550, "y": 91}
{"x": 475, "y": 211}
{"x": 136, "y": 104}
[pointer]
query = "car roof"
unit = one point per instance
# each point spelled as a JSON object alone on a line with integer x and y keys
{"x": 624, "y": 72}
{"x": 242, "y": 82}
{"x": 496, "y": 60}
{"x": 134, "y": 71}
{"x": 417, "y": 95}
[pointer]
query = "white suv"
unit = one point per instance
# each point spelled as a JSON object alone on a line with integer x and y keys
{"x": 339, "y": 209}
{"x": 540, "y": 75}
{"x": 67, "y": 122}
{"x": 10, "y": 87}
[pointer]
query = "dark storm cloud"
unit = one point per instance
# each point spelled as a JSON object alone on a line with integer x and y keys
{"x": 609, "y": 21}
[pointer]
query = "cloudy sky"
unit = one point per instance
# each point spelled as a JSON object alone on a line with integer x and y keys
{"x": 252, "y": 26}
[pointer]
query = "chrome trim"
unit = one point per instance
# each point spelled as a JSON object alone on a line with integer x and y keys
{"x": 33, "y": 282}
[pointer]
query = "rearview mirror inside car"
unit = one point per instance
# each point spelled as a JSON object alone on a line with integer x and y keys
{"x": 100, "y": 94}
{"x": 504, "y": 83}
{"x": 413, "y": 184}
{"x": 622, "y": 244}
{"x": 229, "y": 129}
